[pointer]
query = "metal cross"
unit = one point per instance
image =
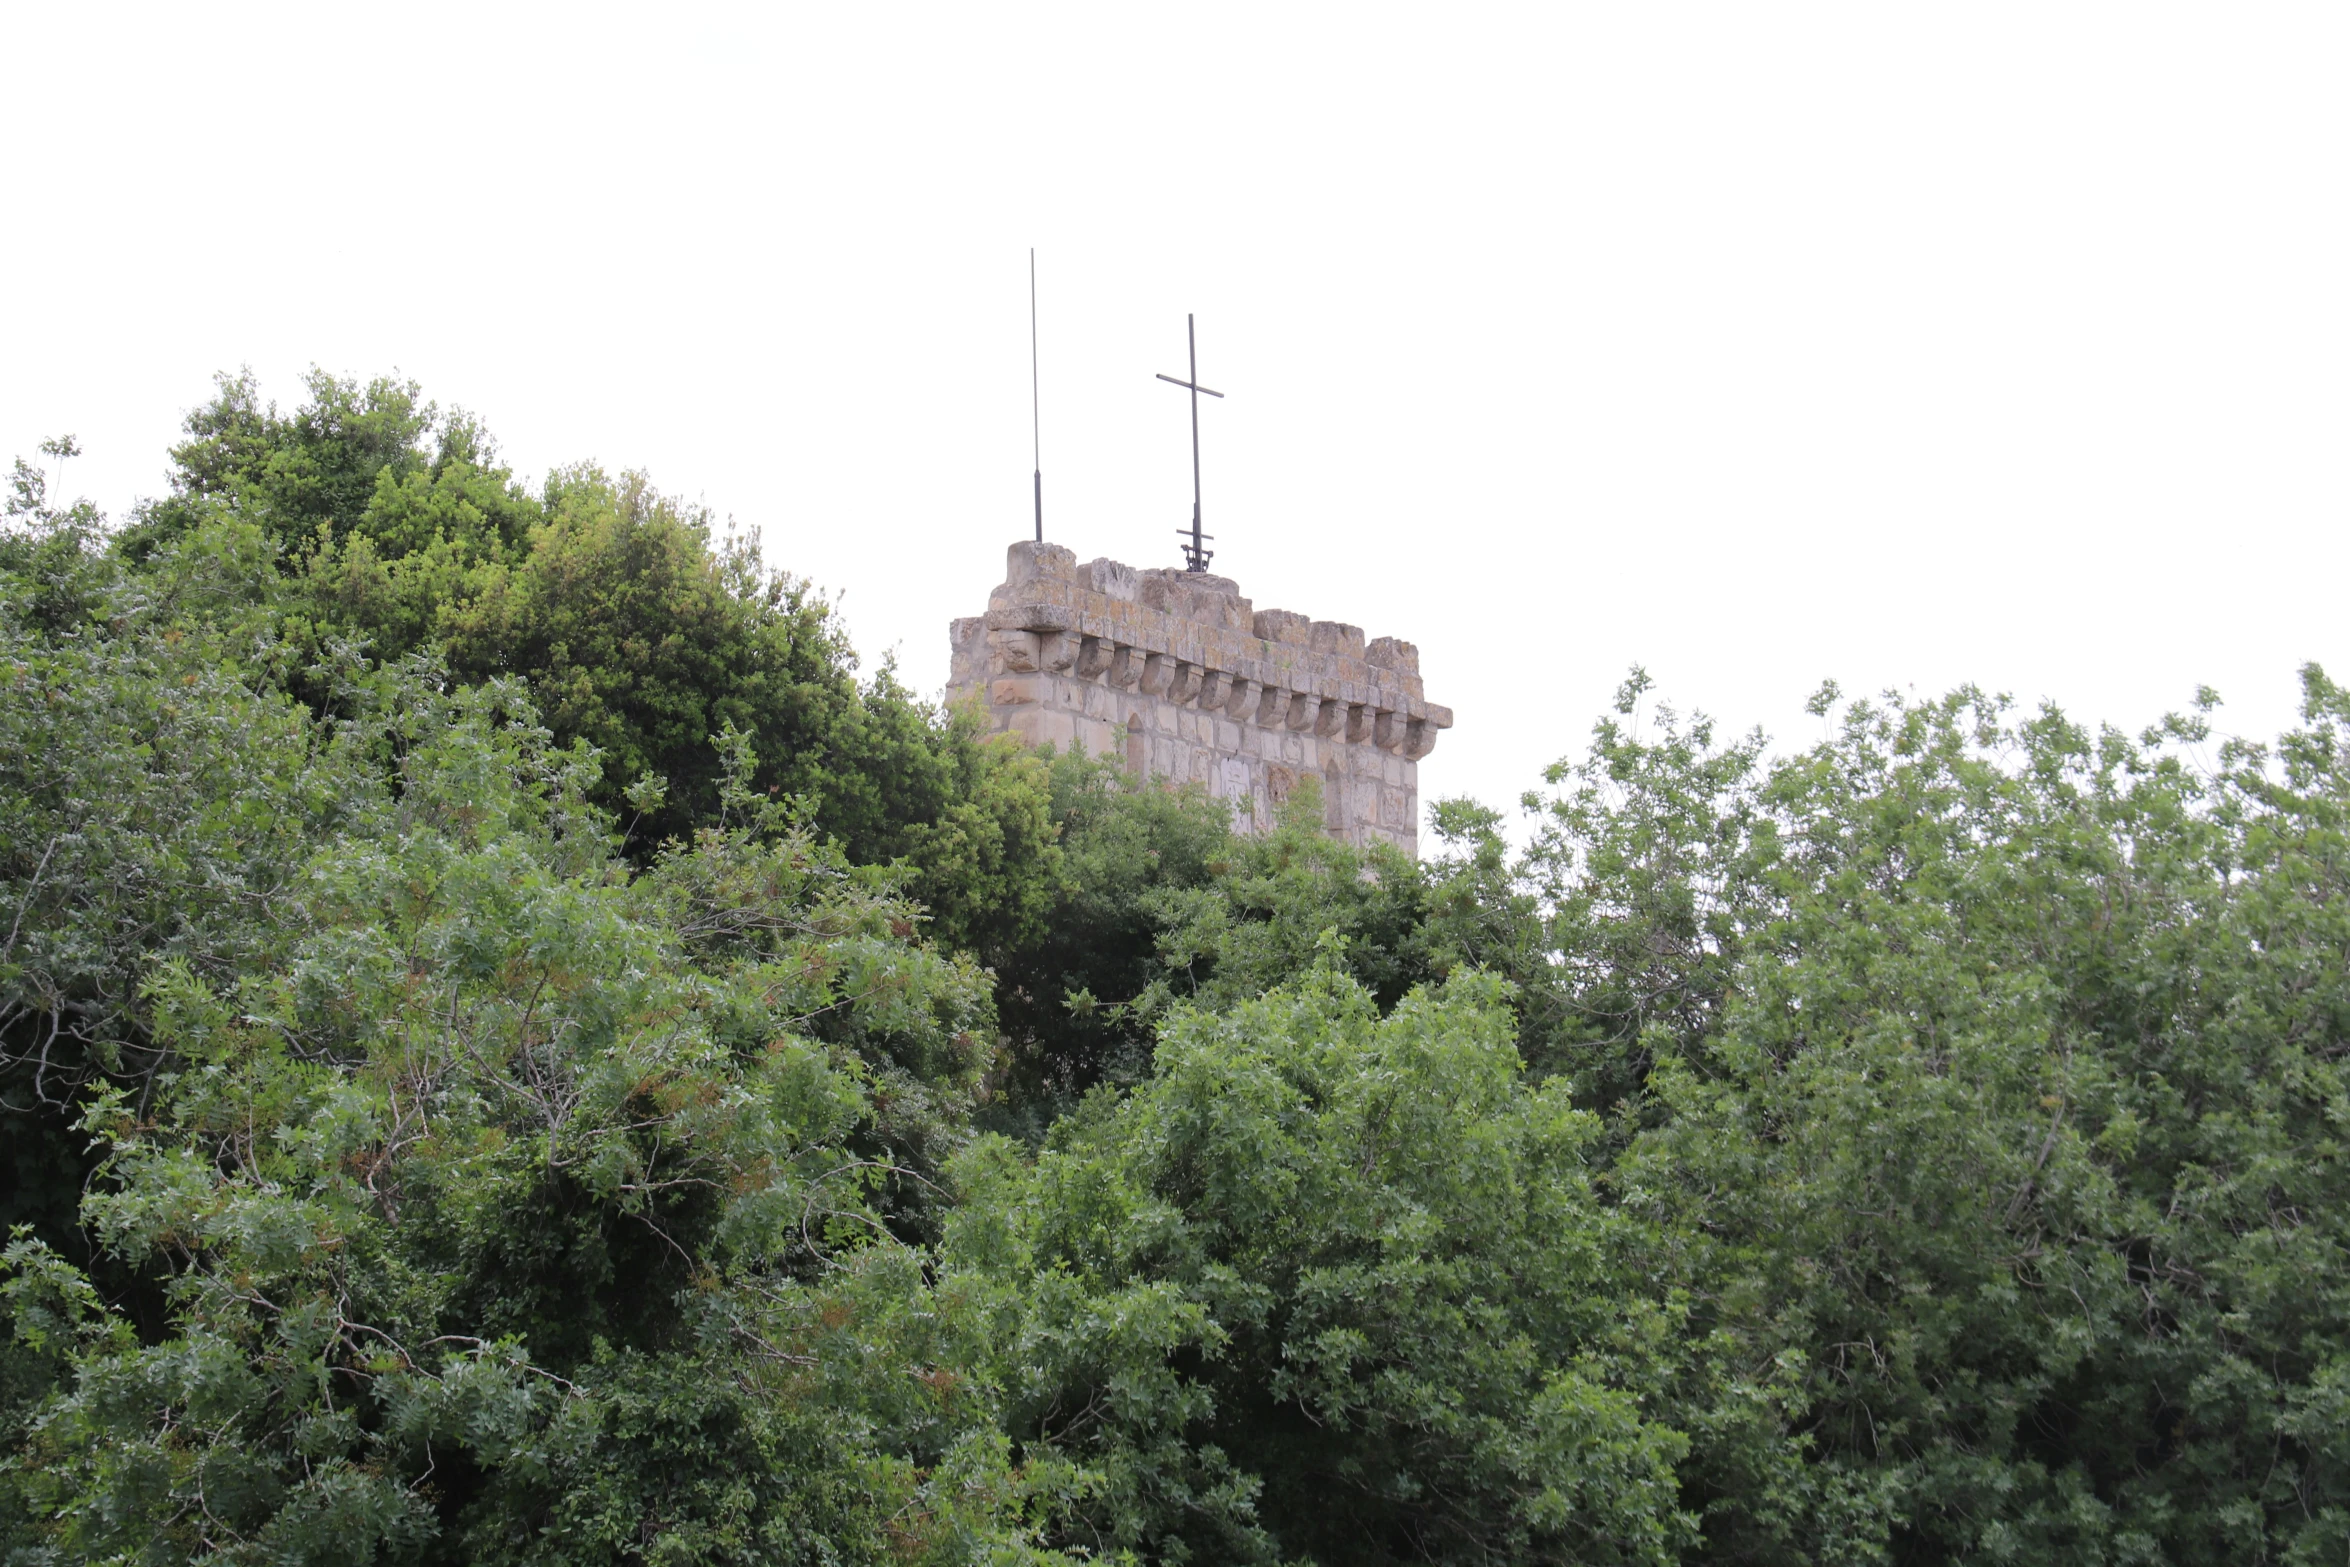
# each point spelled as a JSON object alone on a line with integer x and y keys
{"x": 1195, "y": 554}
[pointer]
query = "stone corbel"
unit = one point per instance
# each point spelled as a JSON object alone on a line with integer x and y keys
{"x": 1419, "y": 739}
{"x": 1158, "y": 672}
{"x": 1304, "y": 709}
{"x": 1126, "y": 666}
{"x": 1093, "y": 658}
{"x": 1056, "y": 651}
{"x": 1241, "y": 700}
{"x": 1387, "y": 729}
{"x": 1016, "y": 652}
{"x": 1328, "y": 717}
{"x": 1358, "y": 724}
{"x": 1185, "y": 685}
{"x": 1215, "y": 686}
{"x": 1272, "y": 708}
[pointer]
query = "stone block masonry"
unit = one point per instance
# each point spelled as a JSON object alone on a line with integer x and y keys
{"x": 1178, "y": 674}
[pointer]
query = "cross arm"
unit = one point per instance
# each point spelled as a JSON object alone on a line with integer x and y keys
{"x": 1187, "y": 386}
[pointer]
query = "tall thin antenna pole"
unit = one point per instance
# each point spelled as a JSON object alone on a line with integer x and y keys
{"x": 1035, "y": 414}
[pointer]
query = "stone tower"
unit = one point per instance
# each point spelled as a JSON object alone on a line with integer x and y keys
{"x": 1176, "y": 672}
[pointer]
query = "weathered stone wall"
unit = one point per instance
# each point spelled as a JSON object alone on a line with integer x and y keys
{"x": 1176, "y": 672}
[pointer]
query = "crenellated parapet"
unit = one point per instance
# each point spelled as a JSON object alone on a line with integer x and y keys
{"x": 1181, "y": 675}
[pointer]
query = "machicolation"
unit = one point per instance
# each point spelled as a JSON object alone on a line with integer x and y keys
{"x": 1176, "y": 672}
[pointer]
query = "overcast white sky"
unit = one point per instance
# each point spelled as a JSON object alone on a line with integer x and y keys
{"x": 1757, "y": 343}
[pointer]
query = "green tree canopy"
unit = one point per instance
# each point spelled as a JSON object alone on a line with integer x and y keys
{"x": 512, "y": 1048}
{"x": 639, "y": 624}
{"x": 520, "y": 1209}
{"x": 1334, "y": 1285}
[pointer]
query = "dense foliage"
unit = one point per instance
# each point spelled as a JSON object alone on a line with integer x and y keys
{"x": 636, "y": 629}
{"x": 510, "y": 1050}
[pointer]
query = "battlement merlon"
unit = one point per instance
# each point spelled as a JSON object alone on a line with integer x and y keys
{"x": 1105, "y": 618}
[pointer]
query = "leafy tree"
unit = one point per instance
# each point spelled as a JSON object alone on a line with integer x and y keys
{"x": 637, "y": 625}
{"x": 1065, "y": 990}
{"x": 43, "y": 545}
{"x": 1160, "y": 901}
{"x": 159, "y": 797}
{"x": 1266, "y": 920}
{"x": 1985, "y": 1093}
{"x": 493, "y": 1017}
{"x": 302, "y": 476}
{"x": 1643, "y": 865}
{"x": 986, "y": 854}
{"x": 523, "y": 1209}
{"x": 640, "y": 639}
{"x": 1331, "y": 1285}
